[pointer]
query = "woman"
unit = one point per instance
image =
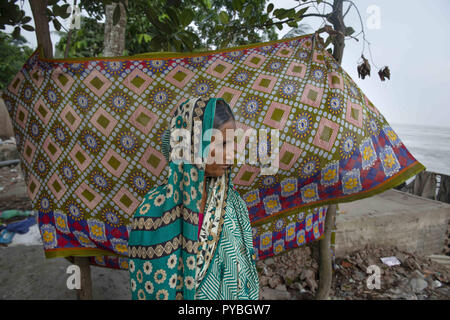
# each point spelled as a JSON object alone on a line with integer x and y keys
{"x": 191, "y": 238}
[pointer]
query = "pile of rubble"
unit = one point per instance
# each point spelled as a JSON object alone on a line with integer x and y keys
{"x": 8, "y": 149}
{"x": 13, "y": 191}
{"x": 294, "y": 276}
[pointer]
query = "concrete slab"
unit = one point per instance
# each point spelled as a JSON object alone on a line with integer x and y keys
{"x": 393, "y": 218}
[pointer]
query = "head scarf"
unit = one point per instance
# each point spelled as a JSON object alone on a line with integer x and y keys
{"x": 166, "y": 260}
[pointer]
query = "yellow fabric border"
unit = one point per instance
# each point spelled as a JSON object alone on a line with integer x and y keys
{"x": 79, "y": 252}
{"x": 165, "y": 55}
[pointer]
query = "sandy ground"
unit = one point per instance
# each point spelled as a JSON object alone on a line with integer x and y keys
{"x": 25, "y": 274}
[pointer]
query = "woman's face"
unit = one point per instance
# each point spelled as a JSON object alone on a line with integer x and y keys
{"x": 218, "y": 166}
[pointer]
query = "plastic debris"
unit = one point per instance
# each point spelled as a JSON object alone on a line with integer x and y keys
{"x": 390, "y": 261}
{"x": 8, "y": 214}
{"x": 6, "y": 236}
{"x": 21, "y": 226}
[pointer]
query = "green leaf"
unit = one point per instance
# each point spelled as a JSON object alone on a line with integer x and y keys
{"x": 56, "y": 10}
{"x": 16, "y": 33}
{"x": 279, "y": 13}
{"x": 27, "y": 27}
{"x": 292, "y": 24}
{"x": 223, "y": 17}
{"x": 26, "y": 20}
{"x": 290, "y": 13}
{"x": 349, "y": 31}
{"x": 186, "y": 17}
{"x": 173, "y": 15}
{"x": 237, "y": 5}
{"x": 116, "y": 14}
{"x": 152, "y": 15}
{"x": 187, "y": 41}
{"x": 56, "y": 24}
{"x": 270, "y": 7}
{"x": 301, "y": 12}
{"x": 248, "y": 10}
{"x": 65, "y": 13}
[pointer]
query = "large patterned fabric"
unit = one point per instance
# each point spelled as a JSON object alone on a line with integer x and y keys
{"x": 89, "y": 135}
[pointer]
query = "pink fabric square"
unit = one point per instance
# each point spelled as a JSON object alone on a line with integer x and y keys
{"x": 246, "y": 168}
{"x": 330, "y": 81}
{"x": 92, "y": 76}
{"x": 92, "y": 203}
{"x": 36, "y": 76}
{"x": 35, "y": 182}
{"x": 102, "y": 113}
{"x": 306, "y": 100}
{"x": 220, "y": 75}
{"x": 134, "y": 202}
{"x": 180, "y": 84}
{"x": 29, "y": 150}
{"x": 64, "y": 87}
{"x": 268, "y": 89}
{"x": 248, "y": 60}
{"x": 15, "y": 84}
{"x": 113, "y": 154}
{"x": 64, "y": 115}
{"x": 137, "y": 73}
{"x": 58, "y": 194}
{"x": 286, "y": 147}
{"x": 52, "y": 156}
{"x": 326, "y": 145}
{"x": 290, "y": 71}
{"x": 316, "y": 56}
{"x": 21, "y": 111}
{"x": 40, "y": 104}
{"x": 272, "y": 108}
{"x": 82, "y": 165}
{"x": 348, "y": 115}
{"x": 143, "y": 111}
{"x": 282, "y": 52}
{"x": 162, "y": 163}
{"x": 234, "y": 92}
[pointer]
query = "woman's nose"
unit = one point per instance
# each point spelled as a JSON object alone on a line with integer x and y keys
{"x": 229, "y": 155}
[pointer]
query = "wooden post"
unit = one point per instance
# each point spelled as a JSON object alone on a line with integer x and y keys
{"x": 325, "y": 268}
{"x": 85, "y": 292}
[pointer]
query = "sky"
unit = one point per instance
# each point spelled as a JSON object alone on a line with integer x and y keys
{"x": 408, "y": 36}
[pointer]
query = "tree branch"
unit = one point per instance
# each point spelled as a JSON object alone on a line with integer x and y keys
{"x": 302, "y": 4}
{"x": 289, "y": 20}
{"x": 348, "y": 9}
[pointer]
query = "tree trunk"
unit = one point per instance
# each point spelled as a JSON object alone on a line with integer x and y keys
{"x": 325, "y": 268}
{"x": 338, "y": 24}
{"x": 114, "y": 44}
{"x": 38, "y": 7}
{"x": 85, "y": 291}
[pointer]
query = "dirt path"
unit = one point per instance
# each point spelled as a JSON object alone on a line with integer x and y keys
{"x": 26, "y": 274}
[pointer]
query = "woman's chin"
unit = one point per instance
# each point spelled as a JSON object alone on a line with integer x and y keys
{"x": 218, "y": 171}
